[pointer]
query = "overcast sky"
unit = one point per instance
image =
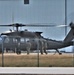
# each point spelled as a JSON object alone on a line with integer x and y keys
{"x": 38, "y": 11}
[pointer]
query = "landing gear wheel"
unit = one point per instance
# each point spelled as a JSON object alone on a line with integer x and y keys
{"x": 18, "y": 52}
{"x": 41, "y": 52}
{"x": 60, "y": 53}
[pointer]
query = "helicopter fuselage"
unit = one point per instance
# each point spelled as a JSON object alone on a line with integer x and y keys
{"x": 23, "y": 44}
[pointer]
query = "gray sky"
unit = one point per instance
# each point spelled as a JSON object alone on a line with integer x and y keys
{"x": 38, "y": 11}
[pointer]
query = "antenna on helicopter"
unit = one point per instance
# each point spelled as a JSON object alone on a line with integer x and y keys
{"x": 13, "y": 18}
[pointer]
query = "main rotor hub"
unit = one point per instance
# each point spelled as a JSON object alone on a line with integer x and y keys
{"x": 17, "y": 25}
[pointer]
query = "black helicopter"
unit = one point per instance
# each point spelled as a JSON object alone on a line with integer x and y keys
{"x": 18, "y": 41}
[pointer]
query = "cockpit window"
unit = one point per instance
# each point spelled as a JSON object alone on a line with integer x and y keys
{"x": 6, "y": 40}
{"x": 0, "y": 40}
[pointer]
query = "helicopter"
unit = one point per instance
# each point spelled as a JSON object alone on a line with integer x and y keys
{"x": 18, "y": 41}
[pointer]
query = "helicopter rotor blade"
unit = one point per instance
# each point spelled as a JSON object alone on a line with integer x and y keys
{"x": 5, "y": 25}
{"x": 44, "y": 25}
{"x": 33, "y": 25}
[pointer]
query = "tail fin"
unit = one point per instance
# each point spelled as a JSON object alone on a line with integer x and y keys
{"x": 70, "y": 35}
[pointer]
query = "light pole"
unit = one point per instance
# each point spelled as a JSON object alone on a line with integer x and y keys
{"x": 2, "y": 51}
{"x": 37, "y": 41}
{"x": 73, "y": 52}
{"x": 65, "y": 16}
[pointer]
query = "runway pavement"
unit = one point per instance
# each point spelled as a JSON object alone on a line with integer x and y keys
{"x": 36, "y": 54}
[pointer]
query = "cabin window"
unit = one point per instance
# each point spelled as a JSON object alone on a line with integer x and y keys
{"x": 14, "y": 40}
{"x": 27, "y": 39}
{"x": 22, "y": 39}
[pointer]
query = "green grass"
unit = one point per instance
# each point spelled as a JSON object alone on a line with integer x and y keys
{"x": 49, "y": 60}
